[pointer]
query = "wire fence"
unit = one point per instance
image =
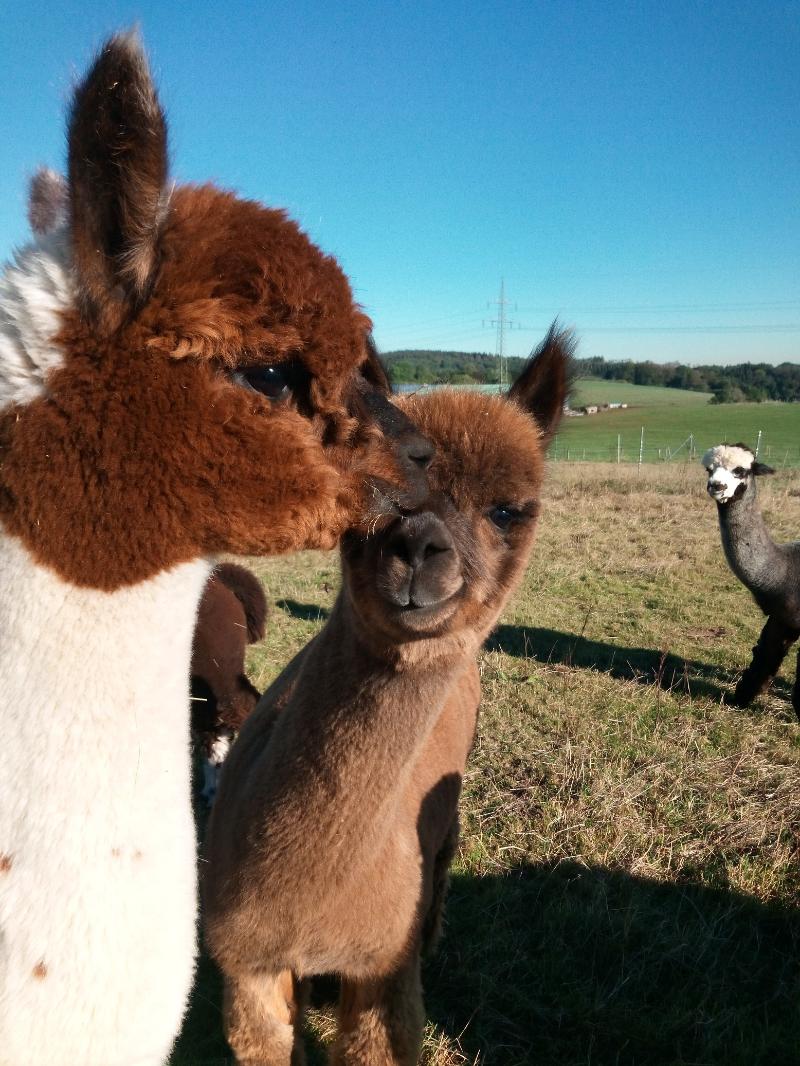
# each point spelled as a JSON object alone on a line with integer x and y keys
{"x": 653, "y": 447}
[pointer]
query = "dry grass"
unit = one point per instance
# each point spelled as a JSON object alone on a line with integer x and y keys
{"x": 627, "y": 888}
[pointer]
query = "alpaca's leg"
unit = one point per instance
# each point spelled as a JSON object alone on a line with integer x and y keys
{"x": 768, "y": 654}
{"x": 261, "y": 1017}
{"x": 432, "y": 925}
{"x": 381, "y": 1021}
{"x": 796, "y": 689}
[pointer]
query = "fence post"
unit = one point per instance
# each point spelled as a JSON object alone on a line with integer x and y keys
{"x": 619, "y": 446}
{"x": 758, "y": 444}
{"x": 641, "y": 451}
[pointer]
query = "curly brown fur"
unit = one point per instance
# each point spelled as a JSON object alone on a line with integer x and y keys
{"x": 336, "y": 819}
{"x": 144, "y": 451}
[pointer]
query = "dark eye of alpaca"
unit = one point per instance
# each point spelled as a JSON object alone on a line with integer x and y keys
{"x": 270, "y": 381}
{"x": 739, "y": 471}
{"x": 503, "y": 515}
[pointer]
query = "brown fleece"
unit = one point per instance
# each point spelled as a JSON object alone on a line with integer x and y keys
{"x": 146, "y": 450}
{"x": 337, "y": 813}
{"x": 232, "y": 614}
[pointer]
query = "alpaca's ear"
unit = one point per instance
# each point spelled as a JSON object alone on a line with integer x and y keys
{"x": 761, "y": 468}
{"x": 47, "y": 201}
{"x": 117, "y": 181}
{"x": 374, "y": 370}
{"x": 544, "y": 383}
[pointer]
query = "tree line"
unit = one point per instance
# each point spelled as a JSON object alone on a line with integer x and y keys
{"x": 746, "y": 382}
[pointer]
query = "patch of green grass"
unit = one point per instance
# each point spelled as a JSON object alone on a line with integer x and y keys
{"x": 667, "y": 428}
{"x": 598, "y": 390}
{"x": 627, "y": 889}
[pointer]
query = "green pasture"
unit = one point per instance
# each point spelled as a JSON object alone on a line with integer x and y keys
{"x": 672, "y": 429}
{"x": 598, "y": 390}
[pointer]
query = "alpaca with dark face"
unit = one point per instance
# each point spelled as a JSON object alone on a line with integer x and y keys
{"x": 337, "y": 814}
{"x": 182, "y": 373}
{"x": 770, "y": 571}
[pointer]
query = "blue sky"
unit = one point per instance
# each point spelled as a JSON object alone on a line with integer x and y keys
{"x": 633, "y": 168}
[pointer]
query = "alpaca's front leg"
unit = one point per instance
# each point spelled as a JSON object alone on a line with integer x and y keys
{"x": 381, "y": 1021}
{"x": 432, "y": 926}
{"x": 768, "y": 654}
{"x": 262, "y": 1016}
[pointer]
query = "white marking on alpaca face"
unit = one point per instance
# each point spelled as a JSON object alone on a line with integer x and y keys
{"x": 728, "y": 467}
{"x": 34, "y": 290}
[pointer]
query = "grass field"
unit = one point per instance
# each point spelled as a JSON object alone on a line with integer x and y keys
{"x": 627, "y": 890}
{"x": 669, "y": 418}
{"x": 598, "y": 390}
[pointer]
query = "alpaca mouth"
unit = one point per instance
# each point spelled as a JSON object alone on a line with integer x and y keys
{"x": 427, "y": 617}
{"x": 417, "y": 601}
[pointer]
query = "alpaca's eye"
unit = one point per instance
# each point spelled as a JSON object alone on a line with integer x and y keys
{"x": 739, "y": 471}
{"x": 502, "y": 515}
{"x": 270, "y": 381}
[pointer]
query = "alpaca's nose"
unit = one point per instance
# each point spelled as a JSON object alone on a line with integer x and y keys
{"x": 716, "y": 486}
{"x": 420, "y": 537}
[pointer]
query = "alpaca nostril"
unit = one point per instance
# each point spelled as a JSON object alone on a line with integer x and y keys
{"x": 433, "y": 549}
{"x": 419, "y": 451}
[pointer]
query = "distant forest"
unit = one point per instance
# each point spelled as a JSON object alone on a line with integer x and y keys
{"x": 747, "y": 382}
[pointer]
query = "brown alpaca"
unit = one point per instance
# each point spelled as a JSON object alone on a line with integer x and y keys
{"x": 336, "y": 818}
{"x": 232, "y": 614}
{"x": 182, "y": 374}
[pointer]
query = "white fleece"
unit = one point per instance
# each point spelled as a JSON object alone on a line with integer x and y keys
{"x": 33, "y": 290}
{"x": 97, "y": 840}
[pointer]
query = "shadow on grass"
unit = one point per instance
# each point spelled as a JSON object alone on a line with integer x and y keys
{"x": 309, "y": 612}
{"x": 566, "y": 965}
{"x": 647, "y": 666}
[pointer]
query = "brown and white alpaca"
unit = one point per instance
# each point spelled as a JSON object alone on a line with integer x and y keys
{"x": 142, "y": 344}
{"x": 336, "y": 816}
{"x": 232, "y": 614}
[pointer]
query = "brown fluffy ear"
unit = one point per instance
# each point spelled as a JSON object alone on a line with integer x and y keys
{"x": 47, "y": 201}
{"x": 545, "y": 381}
{"x": 373, "y": 369}
{"x": 117, "y": 181}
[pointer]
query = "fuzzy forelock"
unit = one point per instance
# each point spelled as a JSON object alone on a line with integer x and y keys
{"x": 728, "y": 456}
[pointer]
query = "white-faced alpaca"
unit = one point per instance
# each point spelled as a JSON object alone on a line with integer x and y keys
{"x": 336, "y": 817}
{"x": 142, "y": 344}
{"x": 232, "y": 614}
{"x": 771, "y": 571}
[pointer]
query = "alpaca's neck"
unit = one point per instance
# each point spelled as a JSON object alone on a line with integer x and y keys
{"x": 96, "y": 828}
{"x": 364, "y": 718}
{"x": 752, "y": 554}
{"x": 77, "y": 662}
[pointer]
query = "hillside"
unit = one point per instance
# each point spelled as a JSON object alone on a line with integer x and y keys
{"x": 746, "y": 382}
